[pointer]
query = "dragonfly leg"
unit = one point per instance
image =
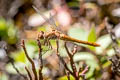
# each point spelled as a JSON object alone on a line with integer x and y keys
{"x": 49, "y": 44}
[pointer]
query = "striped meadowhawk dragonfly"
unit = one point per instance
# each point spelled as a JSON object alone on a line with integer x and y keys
{"x": 57, "y": 34}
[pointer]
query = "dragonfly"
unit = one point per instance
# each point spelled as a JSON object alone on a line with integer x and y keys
{"x": 57, "y": 34}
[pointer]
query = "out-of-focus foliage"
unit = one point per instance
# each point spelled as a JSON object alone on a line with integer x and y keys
{"x": 3, "y": 77}
{"x": 78, "y": 33}
{"x": 105, "y": 41}
{"x": 87, "y": 14}
{"x": 8, "y": 31}
{"x": 92, "y": 36}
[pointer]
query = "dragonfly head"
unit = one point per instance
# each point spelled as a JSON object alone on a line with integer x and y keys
{"x": 41, "y": 34}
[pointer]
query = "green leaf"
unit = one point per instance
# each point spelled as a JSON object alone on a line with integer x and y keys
{"x": 63, "y": 52}
{"x": 88, "y": 57}
{"x": 108, "y": 63}
{"x": 83, "y": 56}
{"x": 3, "y": 28}
{"x": 31, "y": 47}
{"x": 42, "y": 28}
{"x": 12, "y": 33}
{"x": 104, "y": 42}
{"x": 73, "y": 4}
{"x": 110, "y": 52}
{"x": 78, "y": 33}
{"x": 53, "y": 43}
{"x": 65, "y": 78}
{"x": 2, "y": 25}
{"x": 19, "y": 56}
{"x": 90, "y": 61}
{"x": 8, "y": 32}
{"x": 20, "y": 66}
{"x": 90, "y": 72}
{"x": 92, "y": 36}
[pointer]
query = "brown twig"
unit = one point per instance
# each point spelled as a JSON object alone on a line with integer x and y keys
{"x": 115, "y": 59}
{"x": 18, "y": 70}
{"x": 68, "y": 75}
{"x": 84, "y": 71}
{"x": 30, "y": 60}
{"x": 29, "y": 74}
{"x": 74, "y": 50}
{"x": 61, "y": 59}
{"x": 40, "y": 58}
{"x": 74, "y": 71}
{"x": 112, "y": 35}
{"x": 11, "y": 61}
{"x": 72, "y": 62}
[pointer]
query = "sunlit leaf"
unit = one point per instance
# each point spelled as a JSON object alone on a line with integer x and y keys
{"x": 90, "y": 61}
{"x": 46, "y": 54}
{"x": 90, "y": 72}
{"x": 92, "y": 78}
{"x": 65, "y": 78}
{"x": 11, "y": 30}
{"x": 104, "y": 42}
{"x": 53, "y": 43}
{"x": 42, "y": 28}
{"x": 78, "y": 33}
{"x": 2, "y": 25}
{"x": 12, "y": 34}
{"x": 19, "y": 56}
{"x": 3, "y": 28}
{"x": 108, "y": 63}
{"x": 110, "y": 52}
{"x": 83, "y": 56}
{"x": 63, "y": 52}
{"x": 32, "y": 48}
{"x": 118, "y": 42}
{"x": 8, "y": 32}
{"x": 92, "y": 36}
{"x": 18, "y": 65}
{"x": 10, "y": 69}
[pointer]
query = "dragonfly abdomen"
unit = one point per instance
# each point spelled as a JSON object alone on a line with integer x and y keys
{"x": 67, "y": 38}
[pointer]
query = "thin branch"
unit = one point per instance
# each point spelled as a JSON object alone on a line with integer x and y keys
{"x": 113, "y": 38}
{"x": 18, "y": 70}
{"x": 115, "y": 59}
{"x": 112, "y": 35}
{"x": 68, "y": 52}
{"x": 80, "y": 69}
{"x": 109, "y": 30}
{"x": 30, "y": 60}
{"x": 74, "y": 50}
{"x": 61, "y": 59}
{"x": 29, "y": 74}
{"x": 71, "y": 62}
{"x": 68, "y": 75}
{"x": 84, "y": 71}
{"x": 11, "y": 61}
{"x": 57, "y": 42}
{"x": 40, "y": 59}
